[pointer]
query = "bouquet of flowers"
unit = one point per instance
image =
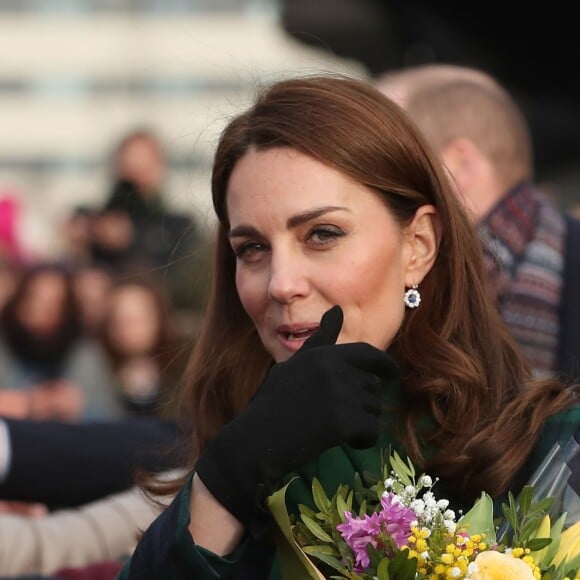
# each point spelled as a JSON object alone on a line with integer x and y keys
{"x": 396, "y": 528}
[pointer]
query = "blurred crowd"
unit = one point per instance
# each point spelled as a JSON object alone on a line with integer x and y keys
{"x": 93, "y": 344}
{"x": 103, "y": 330}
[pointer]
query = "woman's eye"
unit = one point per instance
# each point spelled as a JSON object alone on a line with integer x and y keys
{"x": 322, "y": 235}
{"x": 249, "y": 251}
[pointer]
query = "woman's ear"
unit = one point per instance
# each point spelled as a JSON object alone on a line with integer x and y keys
{"x": 421, "y": 237}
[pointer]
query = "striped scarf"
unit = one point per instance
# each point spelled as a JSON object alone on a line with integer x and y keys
{"x": 524, "y": 246}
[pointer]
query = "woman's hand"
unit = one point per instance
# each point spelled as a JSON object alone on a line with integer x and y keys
{"x": 324, "y": 396}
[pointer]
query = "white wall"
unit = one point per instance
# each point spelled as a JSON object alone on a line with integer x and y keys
{"x": 67, "y": 94}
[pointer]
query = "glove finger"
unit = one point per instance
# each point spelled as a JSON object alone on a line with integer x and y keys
{"x": 327, "y": 333}
{"x": 371, "y": 359}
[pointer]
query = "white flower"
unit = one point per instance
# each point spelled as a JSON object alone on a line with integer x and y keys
{"x": 472, "y": 568}
{"x": 450, "y": 526}
{"x": 455, "y": 572}
{"x": 389, "y": 482}
{"x": 442, "y": 504}
{"x": 425, "y": 481}
{"x": 410, "y": 491}
{"x": 418, "y": 506}
{"x": 449, "y": 515}
{"x": 429, "y": 499}
{"x": 397, "y": 500}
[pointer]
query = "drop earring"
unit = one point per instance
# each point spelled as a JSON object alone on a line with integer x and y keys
{"x": 412, "y": 297}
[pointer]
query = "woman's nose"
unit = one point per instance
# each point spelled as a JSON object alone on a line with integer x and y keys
{"x": 288, "y": 278}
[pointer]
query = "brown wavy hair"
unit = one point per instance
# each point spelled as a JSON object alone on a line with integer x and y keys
{"x": 459, "y": 363}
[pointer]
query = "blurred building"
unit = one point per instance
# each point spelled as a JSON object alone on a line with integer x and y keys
{"x": 77, "y": 74}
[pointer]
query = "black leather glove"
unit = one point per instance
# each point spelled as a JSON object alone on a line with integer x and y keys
{"x": 323, "y": 396}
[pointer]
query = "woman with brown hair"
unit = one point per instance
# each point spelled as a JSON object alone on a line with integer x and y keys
{"x": 142, "y": 345}
{"x": 349, "y": 311}
{"x": 48, "y": 368}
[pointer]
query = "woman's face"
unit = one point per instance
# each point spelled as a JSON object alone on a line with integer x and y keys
{"x": 141, "y": 161}
{"x": 133, "y": 325}
{"x": 42, "y": 306}
{"x": 307, "y": 237}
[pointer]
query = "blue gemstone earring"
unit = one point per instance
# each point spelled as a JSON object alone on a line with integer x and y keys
{"x": 412, "y": 297}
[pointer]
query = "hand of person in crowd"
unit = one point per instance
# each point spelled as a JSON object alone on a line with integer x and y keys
{"x": 323, "y": 396}
{"x": 140, "y": 377}
{"x": 113, "y": 230}
{"x": 15, "y": 403}
{"x": 23, "y": 508}
{"x": 57, "y": 399}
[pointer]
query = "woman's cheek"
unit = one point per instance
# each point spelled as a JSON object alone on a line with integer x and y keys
{"x": 250, "y": 292}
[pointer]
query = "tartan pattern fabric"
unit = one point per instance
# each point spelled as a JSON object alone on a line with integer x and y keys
{"x": 524, "y": 238}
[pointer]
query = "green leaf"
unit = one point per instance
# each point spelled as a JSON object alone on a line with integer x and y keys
{"x": 411, "y": 467}
{"x": 510, "y": 512}
{"x": 538, "y": 544}
{"x": 329, "y": 561}
{"x": 526, "y": 498}
{"x": 346, "y": 553}
{"x": 383, "y": 570}
{"x": 305, "y": 510}
{"x": 374, "y": 555}
{"x": 363, "y": 508}
{"x": 316, "y": 529}
{"x": 540, "y": 507}
{"x": 479, "y": 519}
{"x": 349, "y": 500}
{"x": 329, "y": 550}
{"x": 402, "y": 568}
{"x": 320, "y": 498}
{"x": 401, "y": 468}
{"x": 527, "y": 530}
{"x": 341, "y": 508}
{"x": 293, "y": 561}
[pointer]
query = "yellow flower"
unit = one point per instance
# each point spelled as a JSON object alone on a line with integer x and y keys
{"x": 543, "y": 531}
{"x": 569, "y": 544}
{"x": 494, "y": 565}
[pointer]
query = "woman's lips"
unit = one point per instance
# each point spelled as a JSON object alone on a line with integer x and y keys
{"x": 293, "y": 337}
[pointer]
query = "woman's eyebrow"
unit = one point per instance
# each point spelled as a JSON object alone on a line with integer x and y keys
{"x": 294, "y": 221}
{"x": 302, "y": 218}
{"x": 243, "y": 231}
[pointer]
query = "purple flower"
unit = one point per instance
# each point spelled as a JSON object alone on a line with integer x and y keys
{"x": 394, "y": 520}
{"x": 358, "y": 533}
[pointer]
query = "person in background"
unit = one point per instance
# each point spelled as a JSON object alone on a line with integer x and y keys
{"x": 91, "y": 286}
{"x": 532, "y": 246}
{"x": 135, "y": 227}
{"x": 82, "y": 523}
{"x": 349, "y": 311}
{"x": 77, "y": 521}
{"x": 145, "y": 353}
{"x": 103, "y": 530}
{"x": 48, "y": 370}
{"x": 108, "y": 454}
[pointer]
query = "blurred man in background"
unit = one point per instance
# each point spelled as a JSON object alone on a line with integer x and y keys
{"x": 532, "y": 249}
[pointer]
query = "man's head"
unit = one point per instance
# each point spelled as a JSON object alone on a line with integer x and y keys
{"x": 474, "y": 124}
